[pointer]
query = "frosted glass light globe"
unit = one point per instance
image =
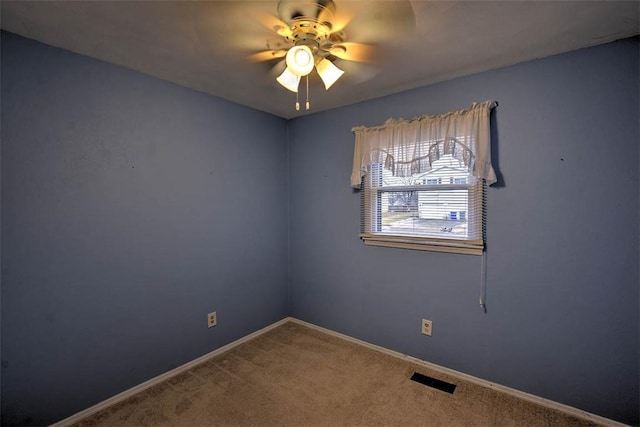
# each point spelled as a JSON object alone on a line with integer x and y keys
{"x": 300, "y": 60}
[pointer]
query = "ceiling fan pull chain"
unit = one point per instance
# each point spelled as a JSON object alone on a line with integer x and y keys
{"x": 297, "y": 103}
{"x": 307, "y": 92}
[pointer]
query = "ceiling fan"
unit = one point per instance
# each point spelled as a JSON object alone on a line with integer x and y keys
{"x": 311, "y": 36}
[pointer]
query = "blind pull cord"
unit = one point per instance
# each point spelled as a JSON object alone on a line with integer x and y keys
{"x": 483, "y": 281}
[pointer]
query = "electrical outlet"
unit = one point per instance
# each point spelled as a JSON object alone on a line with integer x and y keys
{"x": 212, "y": 319}
{"x": 426, "y": 327}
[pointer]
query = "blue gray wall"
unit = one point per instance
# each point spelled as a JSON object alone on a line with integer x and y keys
{"x": 131, "y": 208}
{"x": 562, "y": 235}
{"x": 125, "y": 219}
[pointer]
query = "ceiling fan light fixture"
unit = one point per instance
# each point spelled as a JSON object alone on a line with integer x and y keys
{"x": 300, "y": 60}
{"x": 328, "y": 72}
{"x": 289, "y": 80}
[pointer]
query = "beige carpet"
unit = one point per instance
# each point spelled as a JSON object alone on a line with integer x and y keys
{"x": 297, "y": 376}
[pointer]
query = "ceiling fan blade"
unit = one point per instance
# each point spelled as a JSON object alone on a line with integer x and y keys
{"x": 358, "y": 72}
{"x": 274, "y": 23}
{"x": 340, "y": 20}
{"x": 267, "y": 55}
{"x": 380, "y": 21}
{"x": 326, "y": 14}
{"x": 357, "y": 52}
{"x": 317, "y": 10}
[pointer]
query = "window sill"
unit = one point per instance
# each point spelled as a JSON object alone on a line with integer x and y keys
{"x": 466, "y": 247}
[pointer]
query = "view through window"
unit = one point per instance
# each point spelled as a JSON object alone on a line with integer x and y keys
{"x": 431, "y": 204}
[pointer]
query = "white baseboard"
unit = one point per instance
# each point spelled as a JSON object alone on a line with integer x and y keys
{"x": 466, "y": 377}
{"x": 162, "y": 377}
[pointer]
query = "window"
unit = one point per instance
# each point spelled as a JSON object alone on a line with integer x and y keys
{"x": 416, "y": 212}
{"x": 420, "y": 192}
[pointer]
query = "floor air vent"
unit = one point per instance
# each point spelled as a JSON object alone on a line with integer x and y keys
{"x": 432, "y": 382}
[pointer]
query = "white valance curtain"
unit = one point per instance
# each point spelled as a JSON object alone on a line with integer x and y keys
{"x": 407, "y": 147}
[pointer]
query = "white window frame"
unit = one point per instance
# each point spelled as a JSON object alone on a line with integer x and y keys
{"x": 371, "y": 227}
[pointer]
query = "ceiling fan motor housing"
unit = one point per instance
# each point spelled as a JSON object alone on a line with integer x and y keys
{"x": 310, "y": 23}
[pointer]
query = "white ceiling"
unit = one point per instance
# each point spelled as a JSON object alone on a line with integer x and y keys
{"x": 206, "y": 45}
